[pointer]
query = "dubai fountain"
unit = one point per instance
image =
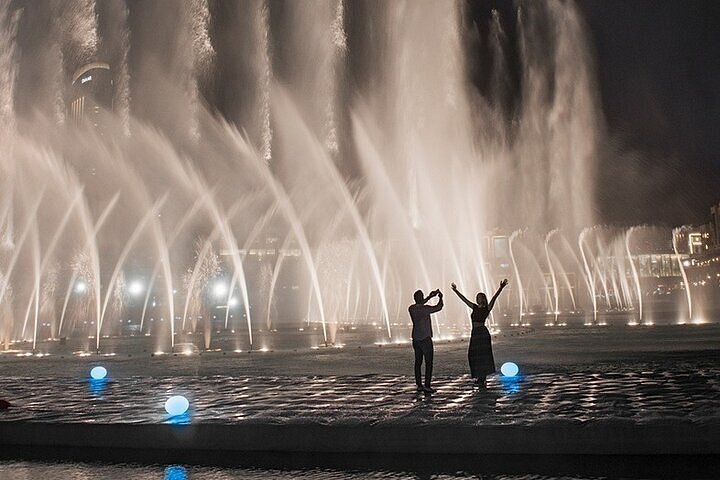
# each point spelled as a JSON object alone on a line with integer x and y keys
{"x": 263, "y": 165}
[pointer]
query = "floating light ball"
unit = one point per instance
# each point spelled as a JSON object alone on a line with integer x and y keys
{"x": 176, "y": 405}
{"x": 98, "y": 373}
{"x": 509, "y": 369}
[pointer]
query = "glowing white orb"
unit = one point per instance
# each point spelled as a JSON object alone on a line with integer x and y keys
{"x": 509, "y": 369}
{"x": 176, "y": 405}
{"x": 80, "y": 287}
{"x": 135, "y": 288}
{"x": 98, "y": 373}
{"x": 220, "y": 289}
{"x": 233, "y": 302}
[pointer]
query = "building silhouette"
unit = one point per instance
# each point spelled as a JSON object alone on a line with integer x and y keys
{"x": 91, "y": 93}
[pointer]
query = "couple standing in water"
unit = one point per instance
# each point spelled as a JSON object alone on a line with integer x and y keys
{"x": 480, "y": 353}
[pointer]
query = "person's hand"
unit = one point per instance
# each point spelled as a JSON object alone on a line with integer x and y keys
{"x": 440, "y": 294}
{"x": 504, "y": 283}
{"x": 453, "y": 286}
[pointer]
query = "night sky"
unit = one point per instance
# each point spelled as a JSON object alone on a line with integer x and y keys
{"x": 658, "y": 66}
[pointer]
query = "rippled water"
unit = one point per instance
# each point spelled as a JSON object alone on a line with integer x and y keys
{"x": 78, "y": 471}
{"x": 569, "y": 375}
{"x": 657, "y": 375}
{"x": 692, "y": 396}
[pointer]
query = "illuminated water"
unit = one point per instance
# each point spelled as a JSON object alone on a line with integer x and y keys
{"x": 316, "y": 190}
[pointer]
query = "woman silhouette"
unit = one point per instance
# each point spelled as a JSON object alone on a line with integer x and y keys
{"x": 480, "y": 353}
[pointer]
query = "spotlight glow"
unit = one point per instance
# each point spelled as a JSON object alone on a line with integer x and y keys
{"x": 136, "y": 287}
{"x": 220, "y": 289}
{"x": 80, "y": 286}
{"x": 98, "y": 373}
{"x": 509, "y": 369}
{"x": 176, "y": 405}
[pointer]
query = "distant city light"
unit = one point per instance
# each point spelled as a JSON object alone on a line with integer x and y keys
{"x": 136, "y": 287}
{"x": 176, "y": 405}
{"x": 98, "y": 373}
{"x": 220, "y": 289}
{"x": 509, "y": 369}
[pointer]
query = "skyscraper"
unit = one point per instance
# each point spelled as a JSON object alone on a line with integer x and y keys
{"x": 91, "y": 93}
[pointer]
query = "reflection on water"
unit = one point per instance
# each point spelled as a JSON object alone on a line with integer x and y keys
{"x": 182, "y": 419}
{"x": 511, "y": 385}
{"x": 97, "y": 386}
{"x": 176, "y": 472}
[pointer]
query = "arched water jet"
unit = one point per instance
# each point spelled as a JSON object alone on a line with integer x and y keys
{"x": 556, "y": 293}
{"x": 257, "y": 228}
{"x": 287, "y": 208}
{"x": 588, "y": 274}
{"x": 513, "y": 236}
{"x": 36, "y": 271}
{"x": 275, "y": 275}
{"x": 49, "y": 252}
{"x": 90, "y": 244}
{"x": 540, "y": 276}
{"x": 635, "y": 274}
{"x": 149, "y": 215}
{"x": 350, "y": 277}
{"x": 564, "y": 276}
{"x": 201, "y": 255}
{"x": 20, "y": 242}
{"x": 599, "y": 264}
{"x": 341, "y": 189}
{"x": 378, "y": 177}
{"x": 683, "y": 273}
{"x": 170, "y": 241}
{"x": 230, "y": 241}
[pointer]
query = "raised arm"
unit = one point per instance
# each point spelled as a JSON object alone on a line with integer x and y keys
{"x": 462, "y": 297}
{"x": 438, "y": 306}
{"x": 503, "y": 284}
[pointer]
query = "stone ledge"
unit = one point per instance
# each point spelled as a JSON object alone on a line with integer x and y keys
{"x": 547, "y": 439}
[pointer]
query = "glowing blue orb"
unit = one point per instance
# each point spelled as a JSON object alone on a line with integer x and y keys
{"x": 98, "y": 373}
{"x": 176, "y": 405}
{"x": 509, "y": 369}
{"x": 175, "y": 472}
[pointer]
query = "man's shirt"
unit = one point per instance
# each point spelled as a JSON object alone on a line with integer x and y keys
{"x": 420, "y": 315}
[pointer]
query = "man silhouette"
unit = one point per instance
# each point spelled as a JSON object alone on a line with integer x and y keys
{"x": 422, "y": 336}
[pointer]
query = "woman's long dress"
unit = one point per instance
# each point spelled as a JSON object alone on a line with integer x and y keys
{"x": 480, "y": 355}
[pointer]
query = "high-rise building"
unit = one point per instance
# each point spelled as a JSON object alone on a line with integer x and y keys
{"x": 715, "y": 226}
{"x": 91, "y": 93}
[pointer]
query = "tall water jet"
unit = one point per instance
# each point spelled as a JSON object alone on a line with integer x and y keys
{"x": 114, "y": 46}
{"x": 9, "y": 19}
